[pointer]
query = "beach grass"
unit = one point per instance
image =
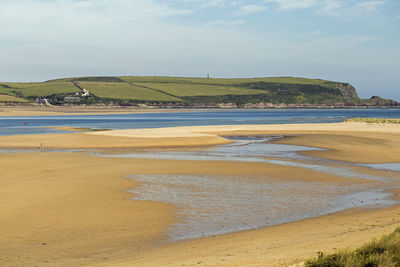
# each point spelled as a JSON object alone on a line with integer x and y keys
{"x": 124, "y": 90}
{"x": 373, "y": 120}
{"x": 381, "y": 252}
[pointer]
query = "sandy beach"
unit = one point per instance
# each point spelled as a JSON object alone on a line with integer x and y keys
{"x": 68, "y": 209}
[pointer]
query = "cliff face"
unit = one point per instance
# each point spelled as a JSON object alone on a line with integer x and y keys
{"x": 347, "y": 91}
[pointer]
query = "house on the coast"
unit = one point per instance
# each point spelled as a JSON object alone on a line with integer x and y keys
{"x": 83, "y": 92}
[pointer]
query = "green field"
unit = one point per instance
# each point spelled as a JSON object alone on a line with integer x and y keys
{"x": 123, "y": 90}
{"x": 43, "y": 89}
{"x": 5, "y": 90}
{"x": 12, "y": 99}
{"x": 236, "y": 81}
{"x": 189, "y": 89}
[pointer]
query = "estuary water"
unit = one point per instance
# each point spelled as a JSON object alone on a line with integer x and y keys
{"x": 214, "y": 204}
{"x": 174, "y": 118}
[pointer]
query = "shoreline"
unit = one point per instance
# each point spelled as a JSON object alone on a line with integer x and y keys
{"x": 36, "y": 110}
{"x": 85, "y": 206}
{"x": 357, "y": 136}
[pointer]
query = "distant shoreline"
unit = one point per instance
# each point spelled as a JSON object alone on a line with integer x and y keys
{"x": 37, "y": 110}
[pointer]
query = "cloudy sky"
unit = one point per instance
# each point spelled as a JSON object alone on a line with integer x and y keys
{"x": 355, "y": 41}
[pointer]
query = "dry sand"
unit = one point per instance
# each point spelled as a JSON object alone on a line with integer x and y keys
{"x": 69, "y": 209}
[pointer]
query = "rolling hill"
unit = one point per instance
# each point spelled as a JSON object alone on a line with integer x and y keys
{"x": 188, "y": 92}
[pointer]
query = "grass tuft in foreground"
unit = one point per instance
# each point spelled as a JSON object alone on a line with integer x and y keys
{"x": 384, "y": 252}
{"x": 373, "y": 120}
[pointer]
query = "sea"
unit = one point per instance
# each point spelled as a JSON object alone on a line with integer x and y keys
{"x": 22, "y": 125}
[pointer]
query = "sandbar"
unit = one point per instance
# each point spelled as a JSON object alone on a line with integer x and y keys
{"x": 68, "y": 209}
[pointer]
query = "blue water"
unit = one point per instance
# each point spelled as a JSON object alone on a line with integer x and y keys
{"x": 36, "y": 124}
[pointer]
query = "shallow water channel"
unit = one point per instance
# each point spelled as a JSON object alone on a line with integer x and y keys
{"x": 209, "y": 205}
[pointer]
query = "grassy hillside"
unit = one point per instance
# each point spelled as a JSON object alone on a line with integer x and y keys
{"x": 12, "y": 99}
{"x": 125, "y": 91}
{"x": 190, "y": 89}
{"x": 182, "y": 91}
{"x": 290, "y": 80}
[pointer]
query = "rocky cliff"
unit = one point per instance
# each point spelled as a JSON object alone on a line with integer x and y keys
{"x": 347, "y": 91}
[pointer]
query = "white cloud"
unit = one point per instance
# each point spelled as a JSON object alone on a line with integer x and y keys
{"x": 349, "y": 9}
{"x": 368, "y": 6}
{"x": 224, "y": 23}
{"x": 48, "y": 39}
{"x": 212, "y": 3}
{"x": 333, "y": 8}
{"x": 79, "y": 22}
{"x": 249, "y": 9}
{"x": 293, "y": 4}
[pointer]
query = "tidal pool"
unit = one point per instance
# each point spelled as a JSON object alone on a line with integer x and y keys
{"x": 210, "y": 205}
{"x": 385, "y": 166}
{"x": 256, "y": 149}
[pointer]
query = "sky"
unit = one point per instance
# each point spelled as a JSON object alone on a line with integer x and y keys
{"x": 353, "y": 41}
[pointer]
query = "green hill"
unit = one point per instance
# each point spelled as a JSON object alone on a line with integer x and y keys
{"x": 182, "y": 91}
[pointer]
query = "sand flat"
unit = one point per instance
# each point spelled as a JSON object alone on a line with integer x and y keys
{"x": 64, "y": 209}
{"x": 358, "y": 142}
{"x": 67, "y": 208}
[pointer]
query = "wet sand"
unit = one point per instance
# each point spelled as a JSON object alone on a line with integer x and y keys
{"x": 63, "y": 209}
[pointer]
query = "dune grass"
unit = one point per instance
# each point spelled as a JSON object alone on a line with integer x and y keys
{"x": 383, "y": 252}
{"x": 189, "y": 89}
{"x": 123, "y": 90}
{"x": 374, "y": 120}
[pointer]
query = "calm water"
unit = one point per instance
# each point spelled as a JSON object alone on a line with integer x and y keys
{"x": 211, "y": 204}
{"x": 255, "y": 150}
{"x": 37, "y": 124}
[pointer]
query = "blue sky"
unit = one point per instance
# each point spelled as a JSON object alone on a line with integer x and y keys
{"x": 355, "y": 41}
